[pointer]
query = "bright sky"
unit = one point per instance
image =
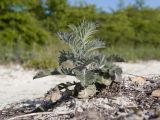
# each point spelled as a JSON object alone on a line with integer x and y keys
{"x": 107, "y": 4}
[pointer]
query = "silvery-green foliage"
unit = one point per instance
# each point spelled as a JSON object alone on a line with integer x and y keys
{"x": 43, "y": 73}
{"x": 84, "y": 61}
{"x": 85, "y": 76}
{"x": 80, "y": 39}
{"x": 110, "y": 71}
{"x": 65, "y": 55}
{"x": 97, "y": 61}
{"x": 65, "y": 71}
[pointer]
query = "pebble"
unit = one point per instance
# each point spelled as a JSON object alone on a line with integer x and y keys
{"x": 156, "y": 93}
{"x": 79, "y": 109}
{"x": 139, "y": 80}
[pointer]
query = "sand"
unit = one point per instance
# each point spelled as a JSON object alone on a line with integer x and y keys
{"x": 17, "y": 84}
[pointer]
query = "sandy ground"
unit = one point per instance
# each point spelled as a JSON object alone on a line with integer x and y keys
{"x": 147, "y": 68}
{"x": 17, "y": 84}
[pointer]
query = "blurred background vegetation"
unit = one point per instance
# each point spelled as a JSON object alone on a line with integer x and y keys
{"x": 28, "y": 30}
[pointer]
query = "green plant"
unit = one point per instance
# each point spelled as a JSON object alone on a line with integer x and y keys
{"x": 79, "y": 39}
{"x": 84, "y": 61}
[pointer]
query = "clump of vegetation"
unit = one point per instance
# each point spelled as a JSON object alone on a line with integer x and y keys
{"x": 84, "y": 61}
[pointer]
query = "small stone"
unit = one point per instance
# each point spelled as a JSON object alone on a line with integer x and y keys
{"x": 55, "y": 97}
{"x": 87, "y": 92}
{"x": 37, "y": 105}
{"x": 156, "y": 93}
{"x": 26, "y": 105}
{"x": 139, "y": 80}
{"x": 79, "y": 109}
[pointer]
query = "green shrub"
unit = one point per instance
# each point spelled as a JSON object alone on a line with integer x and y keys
{"x": 21, "y": 35}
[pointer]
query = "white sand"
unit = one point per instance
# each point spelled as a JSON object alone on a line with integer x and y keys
{"x": 17, "y": 84}
{"x": 147, "y": 68}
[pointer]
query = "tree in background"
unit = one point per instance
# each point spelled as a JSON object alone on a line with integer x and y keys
{"x": 20, "y": 31}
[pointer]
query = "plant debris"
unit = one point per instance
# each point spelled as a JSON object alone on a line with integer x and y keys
{"x": 118, "y": 102}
